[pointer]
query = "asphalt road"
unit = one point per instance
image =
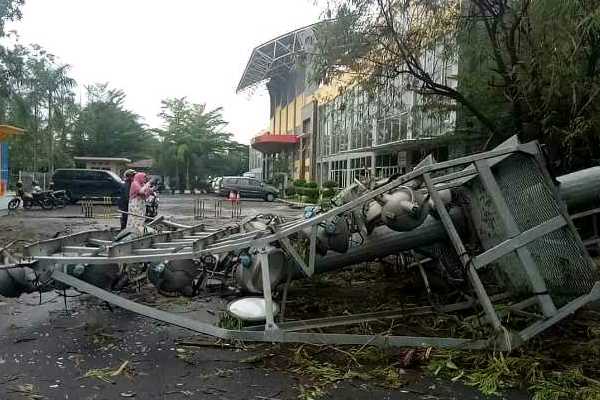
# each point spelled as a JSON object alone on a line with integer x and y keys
{"x": 46, "y": 351}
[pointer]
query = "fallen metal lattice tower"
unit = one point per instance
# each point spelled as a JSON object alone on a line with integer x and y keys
{"x": 526, "y": 237}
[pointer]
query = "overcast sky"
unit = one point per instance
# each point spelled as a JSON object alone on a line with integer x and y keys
{"x": 169, "y": 48}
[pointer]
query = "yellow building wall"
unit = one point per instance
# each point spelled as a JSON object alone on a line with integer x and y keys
{"x": 299, "y": 104}
{"x": 275, "y": 126}
{"x": 284, "y": 120}
{"x": 327, "y": 93}
{"x": 288, "y": 117}
{"x": 282, "y": 128}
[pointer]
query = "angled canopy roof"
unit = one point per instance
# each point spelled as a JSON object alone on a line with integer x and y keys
{"x": 270, "y": 144}
{"x": 276, "y": 56}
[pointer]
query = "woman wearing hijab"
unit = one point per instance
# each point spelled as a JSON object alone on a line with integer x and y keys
{"x": 138, "y": 192}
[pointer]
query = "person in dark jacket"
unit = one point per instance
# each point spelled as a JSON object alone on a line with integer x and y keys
{"x": 124, "y": 196}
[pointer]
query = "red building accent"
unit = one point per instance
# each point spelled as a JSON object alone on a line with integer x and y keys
{"x": 268, "y": 143}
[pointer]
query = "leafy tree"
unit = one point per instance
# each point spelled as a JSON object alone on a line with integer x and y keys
{"x": 36, "y": 91}
{"x": 524, "y": 67}
{"x": 10, "y": 10}
{"x": 48, "y": 87}
{"x": 194, "y": 143}
{"x": 105, "y": 128}
{"x": 231, "y": 163}
{"x": 58, "y": 91}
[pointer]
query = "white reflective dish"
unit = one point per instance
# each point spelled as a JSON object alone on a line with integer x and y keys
{"x": 250, "y": 309}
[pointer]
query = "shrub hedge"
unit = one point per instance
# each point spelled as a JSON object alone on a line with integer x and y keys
{"x": 330, "y": 185}
{"x": 309, "y": 192}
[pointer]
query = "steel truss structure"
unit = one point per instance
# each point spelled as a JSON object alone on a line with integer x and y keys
{"x": 51, "y": 257}
{"x": 276, "y": 56}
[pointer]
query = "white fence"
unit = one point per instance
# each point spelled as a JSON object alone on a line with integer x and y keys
{"x": 42, "y": 178}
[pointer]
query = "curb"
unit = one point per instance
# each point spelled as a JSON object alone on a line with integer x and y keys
{"x": 295, "y": 204}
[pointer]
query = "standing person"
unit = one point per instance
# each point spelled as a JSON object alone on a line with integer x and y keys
{"x": 139, "y": 190}
{"x": 123, "y": 203}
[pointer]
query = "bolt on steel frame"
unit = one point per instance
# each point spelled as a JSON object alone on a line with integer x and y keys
{"x": 193, "y": 242}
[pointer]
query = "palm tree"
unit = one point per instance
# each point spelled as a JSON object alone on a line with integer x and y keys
{"x": 58, "y": 86}
{"x": 192, "y": 134}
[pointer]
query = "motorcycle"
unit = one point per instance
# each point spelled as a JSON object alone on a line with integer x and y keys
{"x": 59, "y": 198}
{"x": 152, "y": 205}
{"x": 36, "y": 198}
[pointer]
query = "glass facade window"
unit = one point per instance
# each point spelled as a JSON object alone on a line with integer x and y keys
{"x": 318, "y": 173}
{"x": 426, "y": 123}
{"x": 325, "y": 126}
{"x": 339, "y": 172}
{"x": 306, "y": 126}
{"x": 322, "y": 173}
{"x": 339, "y": 133}
{"x": 345, "y": 123}
{"x": 360, "y": 167}
{"x": 392, "y": 129}
{"x": 356, "y": 120}
{"x": 386, "y": 165}
{"x": 391, "y": 112}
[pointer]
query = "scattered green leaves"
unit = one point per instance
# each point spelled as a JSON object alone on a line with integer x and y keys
{"x": 228, "y": 321}
{"x": 496, "y": 372}
{"x": 107, "y": 374}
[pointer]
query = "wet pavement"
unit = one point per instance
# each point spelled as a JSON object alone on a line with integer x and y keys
{"x": 48, "y": 352}
{"x": 92, "y": 351}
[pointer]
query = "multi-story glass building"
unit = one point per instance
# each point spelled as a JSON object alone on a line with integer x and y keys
{"x": 320, "y": 133}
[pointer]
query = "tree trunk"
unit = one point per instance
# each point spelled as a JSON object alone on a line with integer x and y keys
{"x": 51, "y": 136}
{"x": 187, "y": 175}
{"x": 177, "y": 175}
{"x": 35, "y": 121}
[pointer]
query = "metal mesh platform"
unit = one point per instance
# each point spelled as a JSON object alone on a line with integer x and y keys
{"x": 560, "y": 255}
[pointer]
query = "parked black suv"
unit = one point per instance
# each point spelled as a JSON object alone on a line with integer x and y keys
{"x": 82, "y": 184}
{"x": 246, "y": 187}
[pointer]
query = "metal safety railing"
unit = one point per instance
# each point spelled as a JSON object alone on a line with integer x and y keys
{"x": 98, "y": 209}
{"x": 207, "y": 208}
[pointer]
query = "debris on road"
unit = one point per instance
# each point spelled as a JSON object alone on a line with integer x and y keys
{"x": 28, "y": 391}
{"x": 106, "y": 374}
